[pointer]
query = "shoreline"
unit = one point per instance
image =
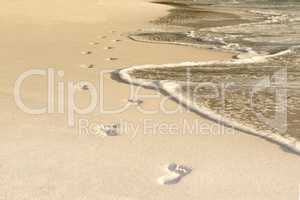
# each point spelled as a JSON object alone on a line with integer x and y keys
{"x": 288, "y": 142}
{"x": 168, "y": 87}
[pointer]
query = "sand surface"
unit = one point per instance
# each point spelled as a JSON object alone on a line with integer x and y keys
{"x": 41, "y": 157}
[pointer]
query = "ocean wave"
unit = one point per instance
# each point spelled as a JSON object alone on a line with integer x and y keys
{"x": 267, "y": 39}
{"x": 172, "y": 88}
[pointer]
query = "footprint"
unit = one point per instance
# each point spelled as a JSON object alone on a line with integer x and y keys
{"x": 84, "y": 87}
{"x": 111, "y": 59}
{"x": 94, "y": 43}
{"x": 117, "y": 40}
{"x": 87, "y": 66}
{"x": 109, "y": 130}
{"x": 108, "y": 48}
{"x": 174, "y": 174}
{"x": 86, "y": 52}
{"x": 135, "y": 101}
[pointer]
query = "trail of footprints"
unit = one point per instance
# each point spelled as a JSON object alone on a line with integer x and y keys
{"x": 174, "y": 172}
{"x": 97, "y": 43}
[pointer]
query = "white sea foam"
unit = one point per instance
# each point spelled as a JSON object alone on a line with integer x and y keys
{"x": 266, "y": 12}
{"x": 219, "y": 37}
{"x": 272, "y": 28}
{"x": 172, "y": 88}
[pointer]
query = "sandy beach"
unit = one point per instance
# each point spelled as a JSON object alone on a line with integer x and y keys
{"x": 43, "y": 157}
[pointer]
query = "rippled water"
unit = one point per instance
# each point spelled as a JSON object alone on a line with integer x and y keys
{"x": 260, "y": 87}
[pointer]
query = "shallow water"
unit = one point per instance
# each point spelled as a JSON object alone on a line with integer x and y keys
{"x": 262, "y": 93}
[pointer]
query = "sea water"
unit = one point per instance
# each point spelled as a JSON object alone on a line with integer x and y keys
{"x": 259, "y": 89}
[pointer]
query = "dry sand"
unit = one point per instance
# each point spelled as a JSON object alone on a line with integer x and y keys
{"x": 42, "y": 158}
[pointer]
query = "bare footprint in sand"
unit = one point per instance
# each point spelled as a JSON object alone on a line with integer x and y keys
{"x": 109, "y": 130}
{"x": 117, "y": 40}
{"x": 87, "y": 66}
{"x": 94, "y": 43}
{"x": 174, "y": 174}
{"x": 108, "y": 48}
{"x": 111, "y": 59}
{"x": 86, "y": 52}
{"x": 135, "y": 101}
{"x": 84, "y": 87}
